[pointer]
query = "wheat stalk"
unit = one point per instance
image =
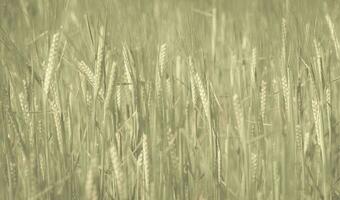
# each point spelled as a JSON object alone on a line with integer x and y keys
{"x": 146, "y": 165}
{"x": 91, "y": 187}
{"x": 99, "y": 61}
{"x": 263, "y": 98}
{"x": 52, "y": 61}
{"x": 203, "y": 96}
{"x": 333, "y": 35}
{"x": 118, "y": 172}
{"x": 162, "y": 58}
{"x": 109, "y": 89}
{"x": 88, "y": 72}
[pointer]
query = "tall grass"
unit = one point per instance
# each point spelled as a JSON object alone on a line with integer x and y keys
{"x": 169, "y": 100}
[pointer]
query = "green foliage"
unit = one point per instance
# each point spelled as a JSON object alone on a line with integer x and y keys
{"x": 151, "y": 99}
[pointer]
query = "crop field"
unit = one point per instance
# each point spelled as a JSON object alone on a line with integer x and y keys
{"x": 169, "y": 99}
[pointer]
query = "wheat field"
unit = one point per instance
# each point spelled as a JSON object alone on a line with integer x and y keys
{"x": 169, "y": 99}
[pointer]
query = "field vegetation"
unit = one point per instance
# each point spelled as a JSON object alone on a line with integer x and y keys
{"x": 155, "y": 99}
